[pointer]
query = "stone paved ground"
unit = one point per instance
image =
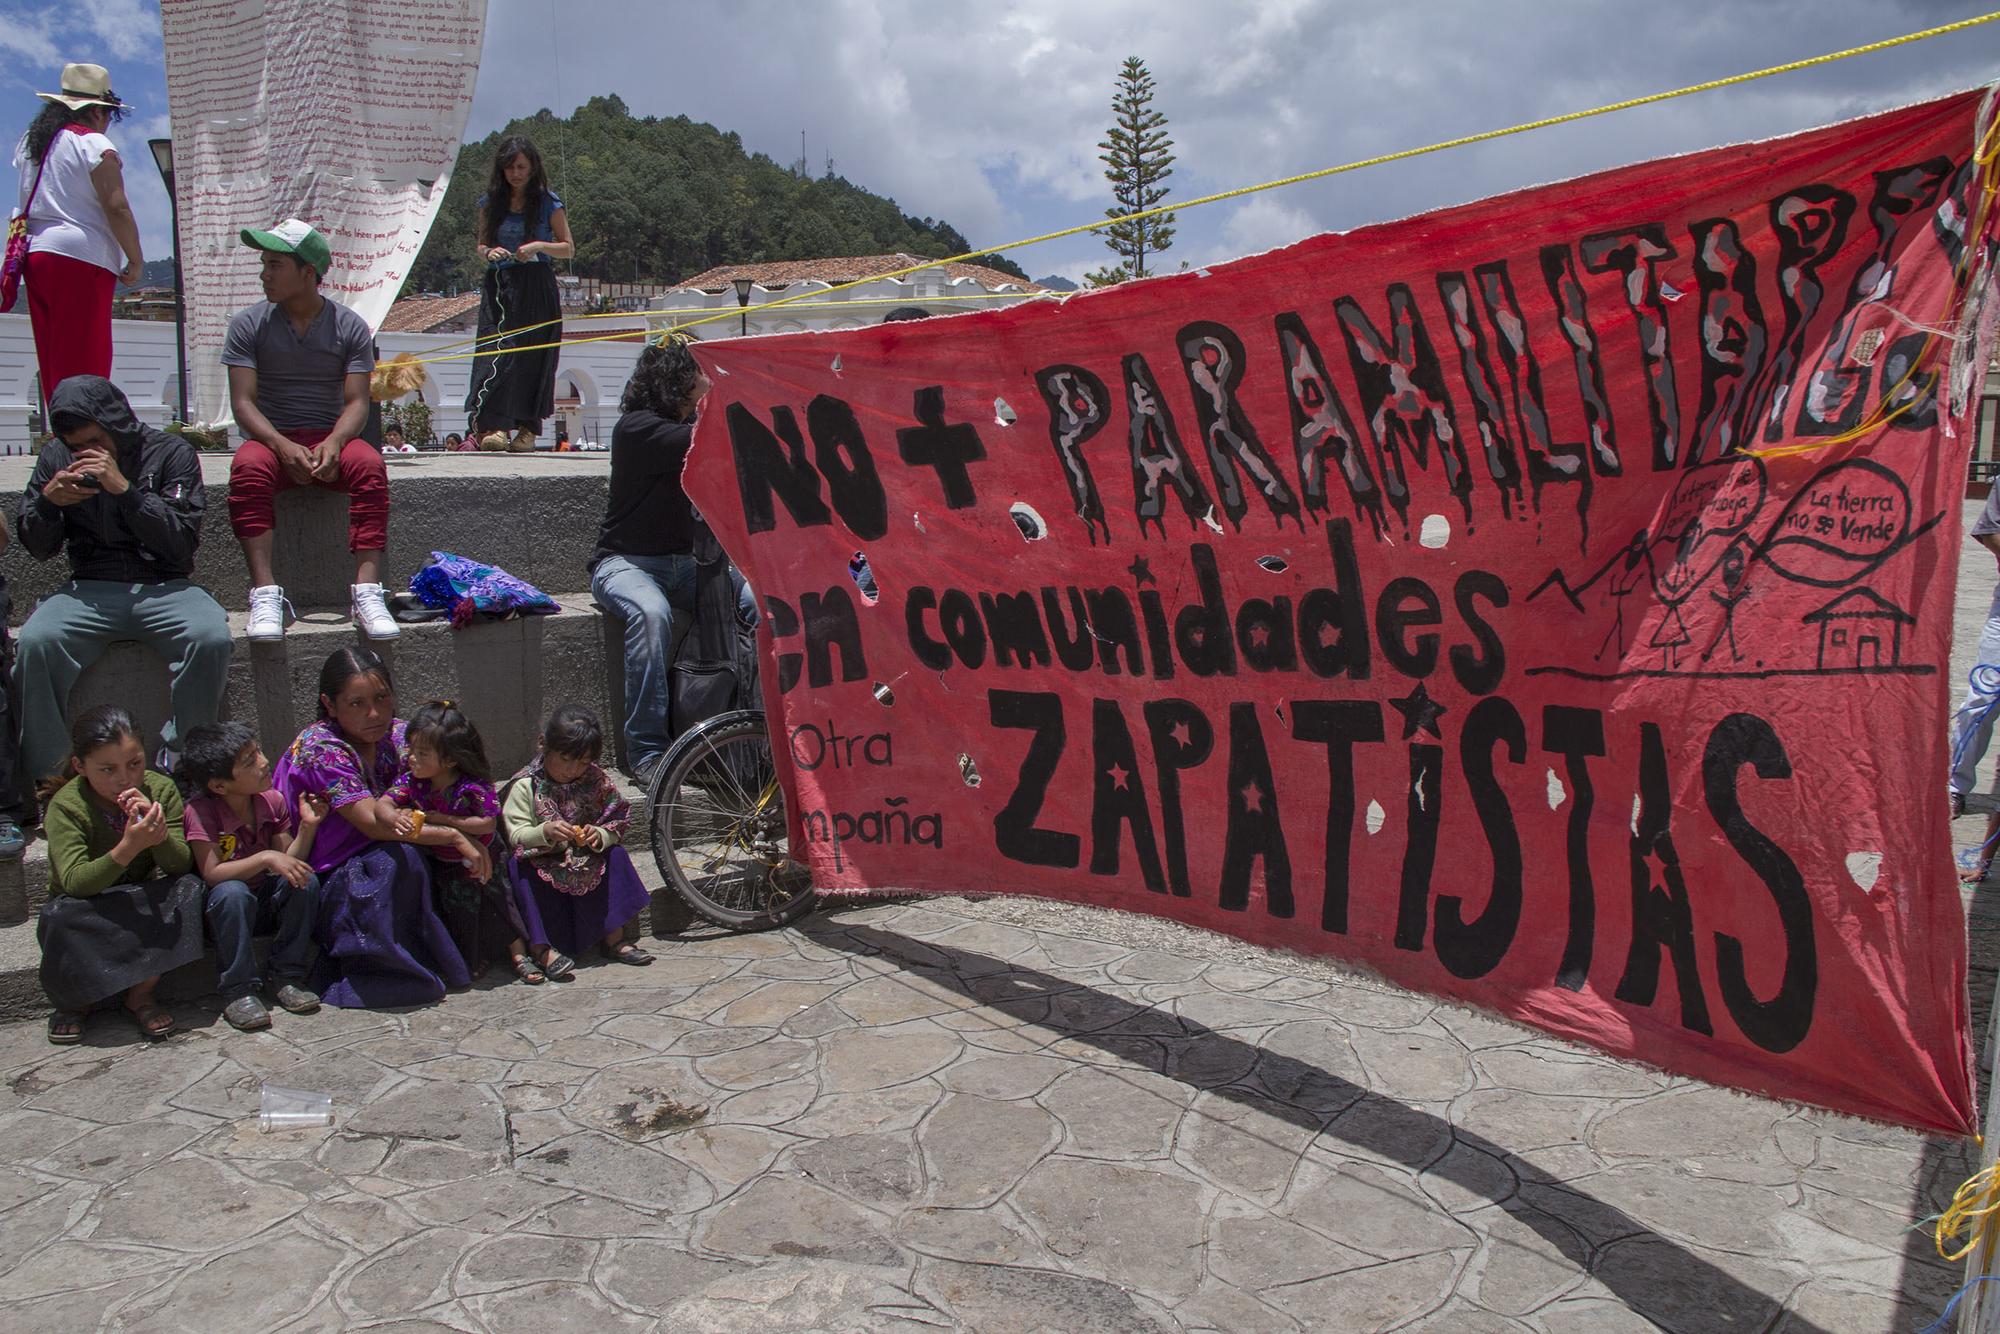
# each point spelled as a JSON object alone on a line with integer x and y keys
{"x": 920, "y": 1116}
{"x": 999, "y": 1115}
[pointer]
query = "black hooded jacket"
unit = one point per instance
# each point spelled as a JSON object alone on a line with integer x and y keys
{"x": 146, "y": 536}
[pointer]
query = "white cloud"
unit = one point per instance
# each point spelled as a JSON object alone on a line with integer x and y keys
{"x": 36, "y": 42}
{"x": 143, "y": 186}
{"x": 30, "y": 37}
{"x": 1264, "y": 222}
{"x": 127, "y": 29}
{"x": 993, "y": 124}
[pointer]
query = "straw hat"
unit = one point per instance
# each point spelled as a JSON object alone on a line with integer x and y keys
{"x": 84, "y": 86}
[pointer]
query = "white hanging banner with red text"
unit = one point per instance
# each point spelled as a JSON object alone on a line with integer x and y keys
{"x": 343, "y": 113}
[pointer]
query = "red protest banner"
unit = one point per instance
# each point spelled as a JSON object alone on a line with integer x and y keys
{"x": 1415, "y": 596}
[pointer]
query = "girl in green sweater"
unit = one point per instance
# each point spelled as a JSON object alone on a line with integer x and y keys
{"x": 124, "y": 906}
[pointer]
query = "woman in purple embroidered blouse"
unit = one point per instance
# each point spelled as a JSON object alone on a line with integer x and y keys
{"x": 382, "y": 942}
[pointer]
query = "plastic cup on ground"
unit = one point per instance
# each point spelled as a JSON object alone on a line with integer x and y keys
{"x": 294, "y": 1109}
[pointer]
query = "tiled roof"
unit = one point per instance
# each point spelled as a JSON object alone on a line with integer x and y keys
{"x": 835, "y": 271}
{"x": 421, "y": 314}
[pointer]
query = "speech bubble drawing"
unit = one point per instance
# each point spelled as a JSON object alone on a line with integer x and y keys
{"x": 1840, "y": 525}
{"x": 1711, "y": 506}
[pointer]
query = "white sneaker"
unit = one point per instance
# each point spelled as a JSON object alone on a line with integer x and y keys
{"x": 371, "y": 613}
{"x": 267, "y": 613}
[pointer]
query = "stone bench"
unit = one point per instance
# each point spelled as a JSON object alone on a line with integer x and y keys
{"x": 534, "y": 515}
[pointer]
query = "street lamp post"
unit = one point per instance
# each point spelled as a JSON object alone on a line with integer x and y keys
{"x": 163, "y": 158}
{"x": 742, "y": 286}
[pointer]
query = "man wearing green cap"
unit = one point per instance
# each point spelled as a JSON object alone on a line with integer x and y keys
{"x": 298, "y": 381}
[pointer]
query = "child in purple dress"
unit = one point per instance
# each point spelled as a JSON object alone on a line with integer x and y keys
{"x": 445, "y": 781}
{"x": 576, "y": 888}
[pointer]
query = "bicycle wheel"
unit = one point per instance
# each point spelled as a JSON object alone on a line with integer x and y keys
{"x": 719, "y": 829}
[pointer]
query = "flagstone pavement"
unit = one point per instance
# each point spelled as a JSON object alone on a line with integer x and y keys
{"x": 988, "y": 1114}
{"x": 913, "y": 1116}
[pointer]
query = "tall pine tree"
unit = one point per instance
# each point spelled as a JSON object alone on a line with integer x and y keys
{"x": 1138, "y": 157}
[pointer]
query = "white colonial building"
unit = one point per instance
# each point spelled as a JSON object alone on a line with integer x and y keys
{"x": 599, "y": 350}
{"x": 590, "y": 377}
{"x": 730, "y": 300}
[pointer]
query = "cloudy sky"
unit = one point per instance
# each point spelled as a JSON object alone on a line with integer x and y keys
{"x": 989, "y": 116}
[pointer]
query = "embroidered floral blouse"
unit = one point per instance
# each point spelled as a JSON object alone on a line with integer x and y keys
{"x": 324, "y": 761}
{"x": 468, "y": 798}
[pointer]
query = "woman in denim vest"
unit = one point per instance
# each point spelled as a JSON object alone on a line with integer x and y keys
{"x": 521, "y": 227}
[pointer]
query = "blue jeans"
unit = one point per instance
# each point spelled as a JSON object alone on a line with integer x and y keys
{"x": 1972, "y": 725}
{"x": 236, "y": 912}
{"x": 655, "y": 596}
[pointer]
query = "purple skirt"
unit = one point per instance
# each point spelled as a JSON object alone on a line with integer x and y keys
{"x": 578, "y": 923}
{"x": 381, "y": 941}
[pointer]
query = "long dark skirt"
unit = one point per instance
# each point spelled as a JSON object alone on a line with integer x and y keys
{"x": 96, "y": 948}
{"x": 577, "y": 923}
{"x": 516, "y": 389}
{"x": 381, "y": 940}
{"x": 483, "y": 919}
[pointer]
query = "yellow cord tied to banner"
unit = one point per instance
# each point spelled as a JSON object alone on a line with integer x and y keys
{"x": 1973, "y": 1209}
{"x": 1888, "y": 43}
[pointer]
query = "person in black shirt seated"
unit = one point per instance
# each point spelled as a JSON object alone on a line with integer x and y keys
{"x": 644, "y": 567}
{"x": 124, "y": 502}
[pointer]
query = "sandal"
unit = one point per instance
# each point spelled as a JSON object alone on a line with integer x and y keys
{"x": 152, "y": 1020}
{"x": 529, "y": 971}
{"x": 66, "y": 1028}
{"x": 627, "y": 952}
{"x": 559, "y": 966}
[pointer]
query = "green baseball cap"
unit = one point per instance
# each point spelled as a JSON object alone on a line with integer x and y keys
{"x": 292, "y": 237}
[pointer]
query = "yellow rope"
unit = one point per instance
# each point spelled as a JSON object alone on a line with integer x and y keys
{"x": 1321, "y": 174}
{"x": 1972, "y": 1210}
{"x": 647, "y": 315}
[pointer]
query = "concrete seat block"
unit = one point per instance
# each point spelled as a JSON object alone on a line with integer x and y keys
{"x": 535, "y": 516}
{"x": 507, "y": 676}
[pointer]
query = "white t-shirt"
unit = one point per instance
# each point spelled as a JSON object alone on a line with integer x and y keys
{"x": 67, "y": 218}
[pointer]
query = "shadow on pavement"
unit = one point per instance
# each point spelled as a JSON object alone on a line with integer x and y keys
{"x": 1673, "y": 1286}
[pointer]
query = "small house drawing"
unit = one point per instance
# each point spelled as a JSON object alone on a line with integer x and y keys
{"x": 1853, "y": 629}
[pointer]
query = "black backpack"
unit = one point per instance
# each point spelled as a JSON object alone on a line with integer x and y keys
{"x": 716, "y": 669}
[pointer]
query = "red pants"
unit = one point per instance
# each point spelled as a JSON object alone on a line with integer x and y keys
{"x": 256, "y": 477}
{"x": 69, "y": 309}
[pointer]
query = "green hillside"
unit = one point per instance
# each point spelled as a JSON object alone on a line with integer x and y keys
{"x": 653, "y": 200}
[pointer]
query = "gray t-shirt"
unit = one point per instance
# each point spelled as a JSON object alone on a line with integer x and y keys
{"x": 1989, "y": 518}
{"x": 299, "y": 379}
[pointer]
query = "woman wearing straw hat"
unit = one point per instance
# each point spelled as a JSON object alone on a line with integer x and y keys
{"x": 82, "y": 237}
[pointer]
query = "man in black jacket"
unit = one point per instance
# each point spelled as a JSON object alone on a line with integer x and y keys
{"x": 126, "y": 502}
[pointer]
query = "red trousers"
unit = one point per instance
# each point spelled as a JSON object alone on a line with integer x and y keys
{"x": 69, "y": 309}
{"x": 256, "y": 477}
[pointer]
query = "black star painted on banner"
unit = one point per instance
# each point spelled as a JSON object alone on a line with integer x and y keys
{"x": 1253, "y": 798}
{"x": 1118, "y": 774}
{"x": 1141, "y": 572}
{"x": 1179, "y": 732}
{"x": 1419, "y": 710}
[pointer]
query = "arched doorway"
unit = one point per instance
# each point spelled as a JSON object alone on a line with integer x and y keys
{"x": 577, "y": 406}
